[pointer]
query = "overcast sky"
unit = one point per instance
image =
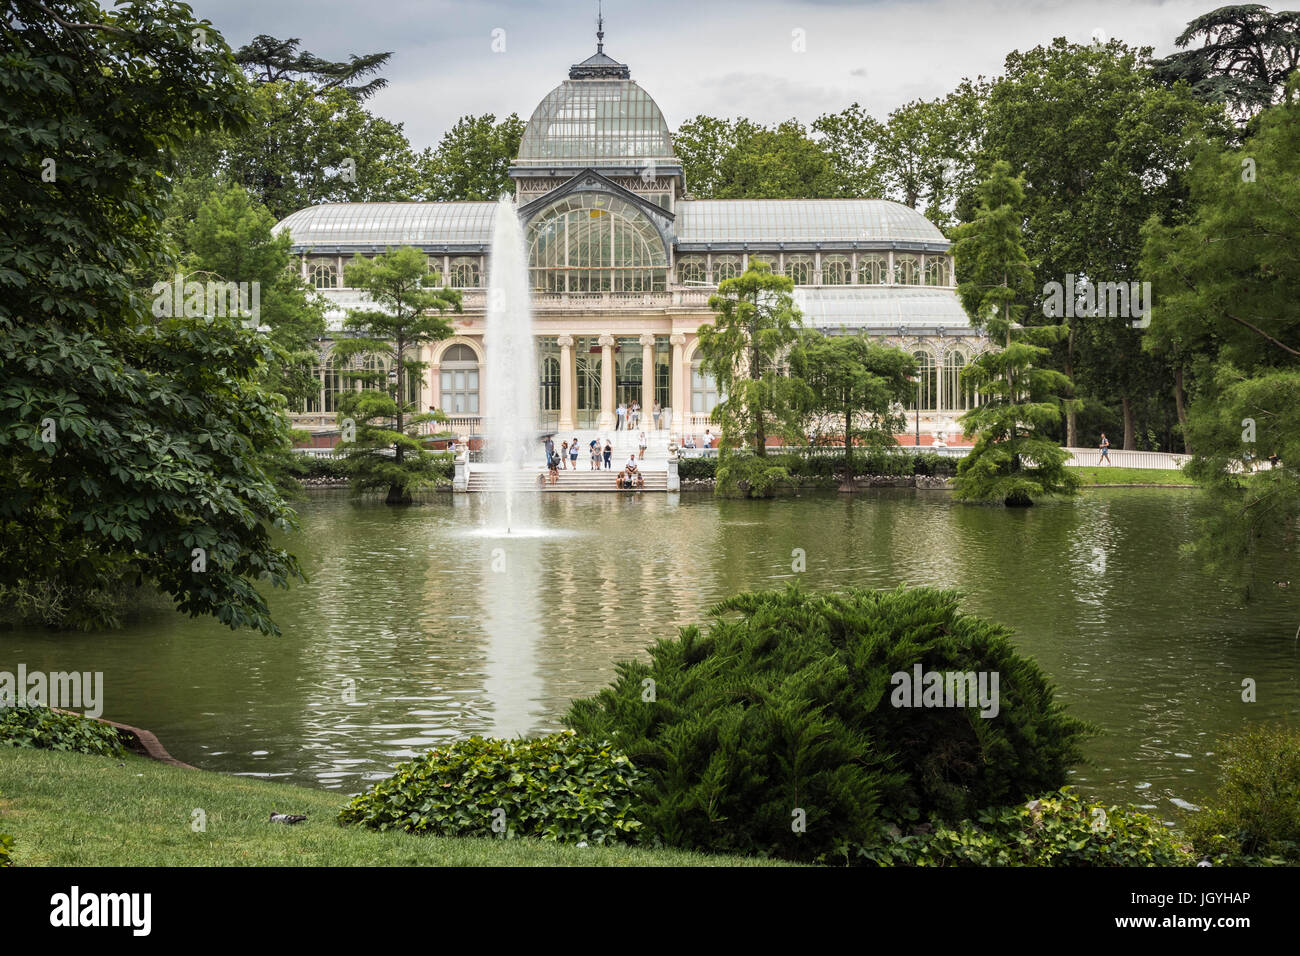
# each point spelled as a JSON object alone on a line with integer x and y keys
{"x": 720, "y": 57}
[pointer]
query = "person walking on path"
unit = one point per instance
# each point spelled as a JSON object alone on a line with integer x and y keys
{"x": 1105, "y": 450}
{"x": 609, "y": 454}
{"x": 643, "y": 446}
{"x": 621, "y": 415}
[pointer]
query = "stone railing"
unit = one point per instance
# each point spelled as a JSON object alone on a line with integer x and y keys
{"x": 476, "y": 299}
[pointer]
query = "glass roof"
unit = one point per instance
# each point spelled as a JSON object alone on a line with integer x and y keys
{"x": 802, "y": 220}
{"x": 596, "y": 122}
{"x": 882, "y": 307}
{"x": 391, "y": 223}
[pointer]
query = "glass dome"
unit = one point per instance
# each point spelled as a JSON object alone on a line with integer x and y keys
{"x": 595, "y": 122}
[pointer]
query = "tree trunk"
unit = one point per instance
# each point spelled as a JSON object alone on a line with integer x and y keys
{"x": 1071, "y": 416}
{"x": 847, "y": 483}
{"x": 397, "y": 395}
{"x": 1130, "y": 443}
{"x": 1180, "y": 402}
{"x": 760, "y": 435}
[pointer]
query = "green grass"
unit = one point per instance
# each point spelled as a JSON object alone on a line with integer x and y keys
{"x": 67, "y": 809}
{"x": 1110, "y": 475}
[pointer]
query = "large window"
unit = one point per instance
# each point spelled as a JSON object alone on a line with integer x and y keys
{"x": 704, "y": 390}
{"x": 836, "y": 270}
{"x": 725, "y": 267}
{"x": 927, "y": 392}
{"x": 959, "y": 397}
{"x": 324, "y": 275}
{"x": 589, "y": 242}
{"x": 936, "y": 270}
{"x": 872, "y": 269}
{"x": 907, "y": 270}
{"x": 800, "y": 269}
{"x": 691, "y": 270}
{"x": 464, "y": 274}
{"x": 459, "y": 384}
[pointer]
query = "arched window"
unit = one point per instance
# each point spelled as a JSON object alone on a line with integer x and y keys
{"x": 590, "y": 242}
{"x": 836, "y": 270}
{"x": 691, "y": 270}
{"x": 459, "y": 381}
{"x": 873, "y": 269}
{"x": 324, "y": 276}
{"x": 770, "y": 260}
{"x": 725, "y": 267}
{"x": 334, "y": 383}
{"x": 907, "y": 270}
{"x": 465, "y": 274}
{"x": 936, "y": 270}
{"x": 704, "y": 390}
{"x": 927, "y": 393}
{"x": 548, "y": 398}
{"x": 800, "y": 269}
{"x": 959, "y": 397}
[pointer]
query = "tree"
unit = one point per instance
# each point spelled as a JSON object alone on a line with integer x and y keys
{"x": 852, "y": 138}
{"x": 1015, "y": 457}
{"x": 268, "y": 60}
{"x": 738, "y": 159}
{"x": 1229, "y": 282}
{"x": 1103, "y": 146}
{"x": 231, "y": 241}
{"x": 1246, "y": 56}
{"x": 129, "y": 444}
{"x": 852, "y": 380}
{"x": 473, "y": 159}
{"x": 384, "y": 411}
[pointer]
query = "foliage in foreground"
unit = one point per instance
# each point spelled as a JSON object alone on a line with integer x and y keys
{"x": 40, "y": 728}
{"x": 557, "y": 788}
{"x": 1061, "y": 829}
{"x": 783, "y": 704}
{"x": 1254, "y": 816}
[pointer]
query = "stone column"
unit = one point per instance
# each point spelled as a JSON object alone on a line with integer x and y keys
{"x": 647, "y": 381}
{"x": 606, "y": 382}
{"x": 568, "y": 380}
{"x": 677, "y": 387}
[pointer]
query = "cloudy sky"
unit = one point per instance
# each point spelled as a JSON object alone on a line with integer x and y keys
{"x": 762, "y": 59}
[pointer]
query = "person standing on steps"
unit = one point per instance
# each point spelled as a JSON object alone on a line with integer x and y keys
{"x": 1105, "y": 450}
{"x": 643, "y": 445}
{"x": 609, "y": 454}
{"x": 656, "y": 412}
{"x": 620, "y": 414}
{"x": 595, "y": 454}
{"x": 573, "y": 453}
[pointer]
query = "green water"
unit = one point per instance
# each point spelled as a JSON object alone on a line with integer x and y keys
{"x": 417, "y": 628}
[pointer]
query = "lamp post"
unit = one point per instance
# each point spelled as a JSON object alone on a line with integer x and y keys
{"x": 917, "y": 380}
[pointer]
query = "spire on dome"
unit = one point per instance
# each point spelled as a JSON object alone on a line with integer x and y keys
{"x": 599, "y": 66}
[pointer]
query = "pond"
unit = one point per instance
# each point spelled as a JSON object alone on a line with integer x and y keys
{"x": 418, "y": 628}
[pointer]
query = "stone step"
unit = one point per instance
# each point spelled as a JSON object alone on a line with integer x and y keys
{"x": 569, "y": 481}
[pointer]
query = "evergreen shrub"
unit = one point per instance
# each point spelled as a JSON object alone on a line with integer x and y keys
{"x": 772, "y": 728}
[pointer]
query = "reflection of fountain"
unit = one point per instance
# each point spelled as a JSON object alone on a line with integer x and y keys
{"x": 512, "y": 626}
{"x": 510, "y": 420}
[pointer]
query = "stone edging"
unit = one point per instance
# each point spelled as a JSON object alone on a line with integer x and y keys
{"x": 138, "y": 740}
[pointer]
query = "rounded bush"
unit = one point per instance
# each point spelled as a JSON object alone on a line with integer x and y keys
{"x": 39, "y": 728}
{"x": 774, "y": 729}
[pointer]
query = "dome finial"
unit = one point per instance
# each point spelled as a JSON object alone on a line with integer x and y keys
{"x": 600, "y": 26}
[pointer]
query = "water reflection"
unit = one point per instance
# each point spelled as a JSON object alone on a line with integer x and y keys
{"x": 405, "y": 637}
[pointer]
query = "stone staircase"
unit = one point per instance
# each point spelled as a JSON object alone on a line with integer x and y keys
{"x": 656, "y": 479}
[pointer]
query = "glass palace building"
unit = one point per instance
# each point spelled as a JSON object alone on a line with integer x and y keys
{"x": 623, "y": 262}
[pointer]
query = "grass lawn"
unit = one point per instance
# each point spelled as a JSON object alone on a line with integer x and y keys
{"x": 1110, "y": 475}
{"x": 68, "y": 809}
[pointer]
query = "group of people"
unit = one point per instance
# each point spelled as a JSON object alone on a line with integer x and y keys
{"x": 601, "y": 457}
{"x": 629, "y": 416}
{"x": 707, "y": 441}
{"x": 630, "y": 477}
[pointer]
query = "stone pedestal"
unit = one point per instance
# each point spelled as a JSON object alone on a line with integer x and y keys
{"x": 460, "y": 478}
